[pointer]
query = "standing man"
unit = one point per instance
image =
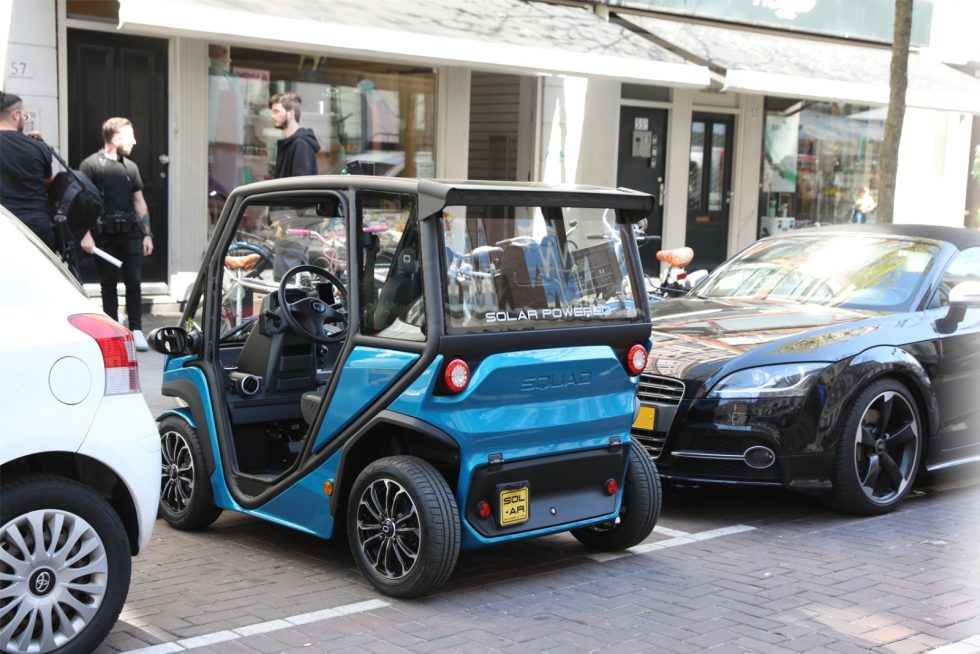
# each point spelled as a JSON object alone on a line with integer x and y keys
{"x": 125, "y": 228}
{"x": 296, "y": 152}
{"x": 25, "y": 170}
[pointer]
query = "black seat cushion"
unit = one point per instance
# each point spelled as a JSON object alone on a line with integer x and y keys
{"x": 310, "y": 402}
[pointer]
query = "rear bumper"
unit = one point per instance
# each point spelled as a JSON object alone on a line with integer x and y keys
{"x": 565, "y": 491}
{"x": 124, "y": 437}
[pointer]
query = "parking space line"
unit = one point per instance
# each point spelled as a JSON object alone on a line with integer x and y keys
{"x": 667, "y": 531}
{"x": 969, "y": 646}
{"x": 206, "y": 640}
{"x": 687, "y": 539}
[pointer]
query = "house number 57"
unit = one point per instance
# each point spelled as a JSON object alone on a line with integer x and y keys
{"x": 22, "y": 69}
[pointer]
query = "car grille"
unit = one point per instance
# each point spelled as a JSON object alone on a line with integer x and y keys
{"x": 660, "y": 391}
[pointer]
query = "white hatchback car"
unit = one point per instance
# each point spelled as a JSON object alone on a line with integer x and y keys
{"x": 79, "y": 456}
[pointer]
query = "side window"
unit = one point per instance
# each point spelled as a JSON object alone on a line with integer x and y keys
{"x": 964, "y": 267}
{"x": 392, "y": 304}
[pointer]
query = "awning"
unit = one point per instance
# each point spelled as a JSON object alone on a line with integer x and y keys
{"x": 496, "y": 35}
{"x": 797, "y": 66}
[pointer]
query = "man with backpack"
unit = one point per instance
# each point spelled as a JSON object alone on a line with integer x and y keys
{"x": 25, "y": 170}
{"x": 124, "y": 231}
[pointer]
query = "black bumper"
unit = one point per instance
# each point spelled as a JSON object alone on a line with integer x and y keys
{"x": 563, "y": 488}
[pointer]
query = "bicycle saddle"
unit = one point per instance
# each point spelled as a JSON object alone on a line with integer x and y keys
{"x": 244, "y": 262}
{"x": 678, "y": 257}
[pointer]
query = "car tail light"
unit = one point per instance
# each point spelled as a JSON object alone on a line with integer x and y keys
{"x": 457, "y": 375}
{"x": 636, "y": 360}
{"x": 118, "y": 351}
{"x": 611, "y": 487}
{"x": 484, "y": 510}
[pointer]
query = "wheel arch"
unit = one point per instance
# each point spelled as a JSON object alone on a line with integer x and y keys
{"x": 391, "y": 434}
{"x": 85, "y": 470}
{"x": 193, "y": 414}
{"x": 888, "y": 362}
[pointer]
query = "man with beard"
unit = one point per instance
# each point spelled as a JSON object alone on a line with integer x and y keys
{"x": 25, "y": 170}
{"x": 124, "y": 231}
{"x": 296, "y": 151}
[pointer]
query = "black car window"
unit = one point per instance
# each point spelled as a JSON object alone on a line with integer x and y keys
{"x": 965, "y": 267}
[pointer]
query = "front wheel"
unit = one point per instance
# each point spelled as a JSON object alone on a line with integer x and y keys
{"x": 64, "y": 566}
{"x": 638, "y": 512}
{"x": 186, "y": 501}
{"x": 403, "y": 526}
{"x": 879, "y": 450}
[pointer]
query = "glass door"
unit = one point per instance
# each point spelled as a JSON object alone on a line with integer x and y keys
{"x": 709, "y": 188}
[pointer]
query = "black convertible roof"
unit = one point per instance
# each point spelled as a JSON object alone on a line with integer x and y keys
{"x": 961, "y": 237}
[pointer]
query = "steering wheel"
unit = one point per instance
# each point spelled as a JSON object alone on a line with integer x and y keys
{"x": 308, "y": 316}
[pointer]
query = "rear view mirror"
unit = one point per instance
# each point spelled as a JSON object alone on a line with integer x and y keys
{"x": 172, "y": 341}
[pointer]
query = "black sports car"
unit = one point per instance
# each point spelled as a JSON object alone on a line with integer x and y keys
{"x": 837, "y": 361}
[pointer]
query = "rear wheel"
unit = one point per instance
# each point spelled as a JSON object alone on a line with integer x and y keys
{"x": 638, "y": 512}
{"x": 403, "y": 526}
{"x": 64, "y": 566}
{"x": 879, "y": 451}
{"x": 186, "y": 501}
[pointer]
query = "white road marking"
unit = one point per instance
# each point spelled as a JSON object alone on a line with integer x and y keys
{"x": 687, "y": 539}
{"x": 667, "y": 531}
{"x": 206, "y": 640}
{"x": 969, "y": 646}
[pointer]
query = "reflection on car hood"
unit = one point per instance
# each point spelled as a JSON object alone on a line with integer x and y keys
{"x": 693, "y": 338}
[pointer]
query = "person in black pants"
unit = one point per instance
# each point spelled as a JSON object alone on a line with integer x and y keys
{"x": 25, "y": 170}
{"x": 124, "y": 229}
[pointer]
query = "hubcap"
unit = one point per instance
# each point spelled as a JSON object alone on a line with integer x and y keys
{"x": 53, "y": 576}
{"x": 388, "y": 529}
{"x": 886, "y": 447}
{"x": 176, "y": 473}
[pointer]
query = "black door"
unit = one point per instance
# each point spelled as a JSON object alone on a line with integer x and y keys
{"x": 112, "y": 75}
{"x": 641, "y": 166}
{"x": 709, "y": 184}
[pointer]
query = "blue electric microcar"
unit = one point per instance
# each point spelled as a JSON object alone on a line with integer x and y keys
{"x": 430, "y": 366}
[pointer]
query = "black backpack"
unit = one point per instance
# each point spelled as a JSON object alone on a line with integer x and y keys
{"x": 76, "y": 204}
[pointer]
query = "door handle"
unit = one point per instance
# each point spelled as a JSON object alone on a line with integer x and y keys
{"x": 728, "y": 197}
{"x": 660, "y": 194}
{"x": 164, "y": 159}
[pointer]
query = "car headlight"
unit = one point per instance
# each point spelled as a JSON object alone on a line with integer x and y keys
{"x": 787, "y": 380}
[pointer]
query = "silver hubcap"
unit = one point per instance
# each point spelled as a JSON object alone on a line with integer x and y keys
{"x": 176, "y": 472}
{"x": 388, "y": 528}
{"x": 53, "y": 577}
{"x": 886, "y": 447}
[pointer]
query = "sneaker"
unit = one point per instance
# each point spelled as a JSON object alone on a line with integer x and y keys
{"x": 140, "y": 341}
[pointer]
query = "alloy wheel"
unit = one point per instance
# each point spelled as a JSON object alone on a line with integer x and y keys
{"x": 176, "y": 471}
{"x": 388, "y": 528}
{"x": 886, "y": 447}
{"x": 53, "y": 576}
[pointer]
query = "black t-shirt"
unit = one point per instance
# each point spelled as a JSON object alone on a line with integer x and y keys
{"x": 116, "y": 179}
{"x": 25, "y": 163}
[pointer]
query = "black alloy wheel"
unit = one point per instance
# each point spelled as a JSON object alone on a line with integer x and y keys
{"x": 403, "y": 526}
{"x": 186, "y": 500}
{"x": 880, "y": 450}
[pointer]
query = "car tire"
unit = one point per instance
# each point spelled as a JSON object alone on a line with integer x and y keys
{"x": 879, "y": 450}
{"x": 638, "y": 511}
{"x": 403, "y": 526}
{"x": 64, "y": 517}
{"x": 186, "y": 500}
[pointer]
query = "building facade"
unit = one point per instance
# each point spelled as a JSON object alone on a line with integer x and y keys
{"x": 740, "y": 129}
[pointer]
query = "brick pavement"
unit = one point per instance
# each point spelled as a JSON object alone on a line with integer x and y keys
{"x": 803, "y": 579}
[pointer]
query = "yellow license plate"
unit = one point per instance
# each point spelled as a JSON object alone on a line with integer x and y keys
{"x": 515, "y": 506}
{"x": 644, "y": 419}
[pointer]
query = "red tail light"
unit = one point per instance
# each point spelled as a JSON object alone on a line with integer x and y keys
{"x": 457, "y": 375}
{"x": 636, "y": 360}
{"x": 484, "y": 510}
{"x": 118, "y": 352}
{"x": 612, "y": 487}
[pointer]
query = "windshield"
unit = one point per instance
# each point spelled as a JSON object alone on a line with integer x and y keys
{"x": 852, "y": 271}
{"x": 510, "y": 268}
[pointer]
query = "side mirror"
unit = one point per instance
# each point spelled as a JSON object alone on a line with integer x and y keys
{"x": 963, "y": 296}
{"x": 172, "y": 341}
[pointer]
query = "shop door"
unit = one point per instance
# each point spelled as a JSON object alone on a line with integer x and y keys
{"x": 709, "y": 186}
{"x": 112, "y": 75}
{"x": 641, "y": 166}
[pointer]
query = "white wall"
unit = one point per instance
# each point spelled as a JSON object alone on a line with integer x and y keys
{"x": 579, "y": 131}
{"x": 747, "y": 173}
{"x": 28, "y": 47}
{"x": 933, "y": 168}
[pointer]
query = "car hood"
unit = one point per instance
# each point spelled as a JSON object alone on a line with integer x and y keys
{"x": 693, "y": 338}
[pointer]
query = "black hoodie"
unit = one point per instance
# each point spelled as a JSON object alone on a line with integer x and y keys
{"x": 296, "y": 155}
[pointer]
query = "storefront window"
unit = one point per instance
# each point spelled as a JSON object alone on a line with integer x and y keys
{"x": 382, "y": 114}
{"x": 820, "y": 164}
